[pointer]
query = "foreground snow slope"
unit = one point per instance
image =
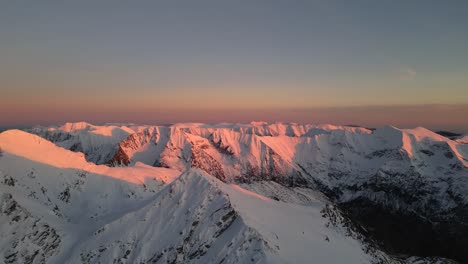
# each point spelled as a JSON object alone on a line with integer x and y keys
{"x": 199, "y": 219}
{"x": 58, "y": 208}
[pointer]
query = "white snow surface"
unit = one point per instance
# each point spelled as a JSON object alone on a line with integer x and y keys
{"x": 87, "y": 213}
{"x": 198, "y": 193}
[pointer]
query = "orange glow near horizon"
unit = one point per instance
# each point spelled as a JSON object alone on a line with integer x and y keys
{"x": 436, "y": 117}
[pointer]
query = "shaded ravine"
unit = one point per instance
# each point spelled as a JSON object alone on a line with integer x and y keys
{"x": 406, "y": 233}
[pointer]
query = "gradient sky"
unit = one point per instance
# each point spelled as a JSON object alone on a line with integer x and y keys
{"x": 345, "y": 62}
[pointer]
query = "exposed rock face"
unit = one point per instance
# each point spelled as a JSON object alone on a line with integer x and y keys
{"x": 25, "y": 238}
{"x": 120, "y": 158}
{"x": 202, "y": 160}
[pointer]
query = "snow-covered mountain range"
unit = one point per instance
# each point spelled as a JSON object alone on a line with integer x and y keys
{"x": 232, "y": 193}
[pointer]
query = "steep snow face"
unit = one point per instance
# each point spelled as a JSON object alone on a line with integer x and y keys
{"x": 311, "y": 232}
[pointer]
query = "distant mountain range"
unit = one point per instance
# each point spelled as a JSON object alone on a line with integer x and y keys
{"x": 232, "y": 193}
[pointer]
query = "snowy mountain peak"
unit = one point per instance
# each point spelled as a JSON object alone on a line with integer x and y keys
{"x": 342, "y": 186}
{"x": 70, "y": 127}
{"x": 38, "y": 149}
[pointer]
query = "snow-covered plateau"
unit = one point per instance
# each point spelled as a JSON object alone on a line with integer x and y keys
{"x": 232, "y": 193}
